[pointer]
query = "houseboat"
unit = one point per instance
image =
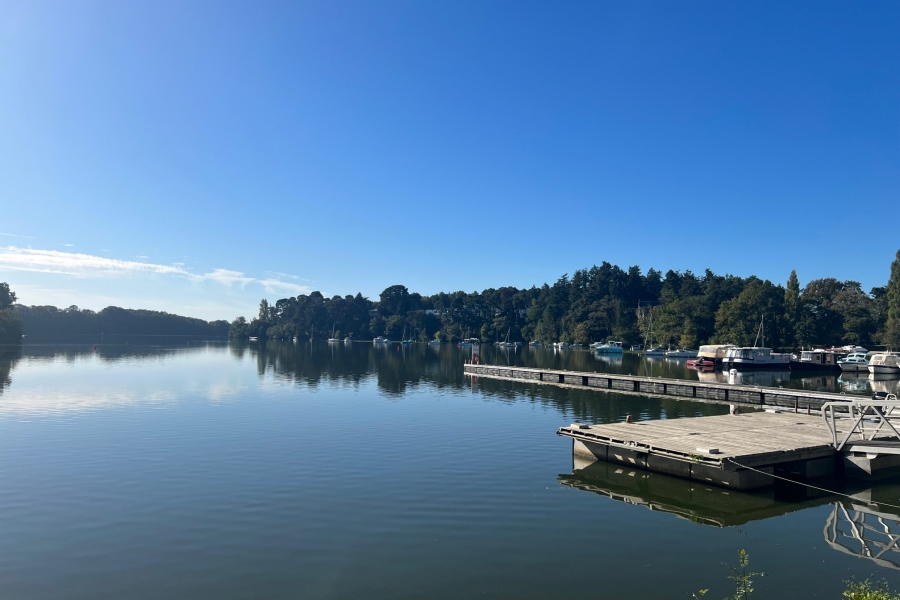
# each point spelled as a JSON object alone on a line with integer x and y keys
{"x": 754, "y": 357}
{"x": 817, "y": 360}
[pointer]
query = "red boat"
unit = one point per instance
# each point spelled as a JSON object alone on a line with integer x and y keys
{"x": 702, "y": 364}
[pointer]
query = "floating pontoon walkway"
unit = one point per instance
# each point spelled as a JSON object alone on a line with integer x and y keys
{"x": 677, "y": 389}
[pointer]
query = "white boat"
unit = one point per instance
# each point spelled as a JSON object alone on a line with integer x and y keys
{"x": 609, "y": 348}
{"x": 253, "y": 338}
{"x": 381, "y": 340}
{"x": 506, "y": 343}
{"x": 434, "y": 342}
{"x": 470, "y": 342}
{"x": 332, "y": 339}
{"x": 884, "y": 363}
{"x": 561, "y": 345}
{"x": 855, "y": 362}
{"x": 576, "y": 346}
{"x": 535, "y": 343}
{"x": 403, "y": 339}
{"x": 681, "y": 353}
{"x": 649, "y": 348}
{"x": 348, "y": 340}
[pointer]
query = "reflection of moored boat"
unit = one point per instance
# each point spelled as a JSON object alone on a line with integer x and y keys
{"x": 885, "y": 364}
{"x": 757, "y": 377}
{"x": 853, "y": 383}
{"x": 886, "y": 384}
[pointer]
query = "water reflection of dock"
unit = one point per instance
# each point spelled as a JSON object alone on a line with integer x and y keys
{"x": 856, "y": 525}
{"x": 858, "y": 528}
{"x": 694, "y": 501}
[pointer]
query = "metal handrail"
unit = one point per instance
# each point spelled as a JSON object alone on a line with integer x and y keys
{"x": 869, "y": 418}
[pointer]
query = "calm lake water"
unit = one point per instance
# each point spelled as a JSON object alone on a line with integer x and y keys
{"x": 149, "y": 470}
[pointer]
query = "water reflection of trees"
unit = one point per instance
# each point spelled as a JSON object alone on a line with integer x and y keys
{"x": 9, "y": 356}
{"x": 398, "y": 369}
{"x": 395, "y": 368}
{"x": 115, "y": 352}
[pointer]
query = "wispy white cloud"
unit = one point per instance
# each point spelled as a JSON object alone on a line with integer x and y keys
{"x": 17, "y": 235}
{"x": 76, "y": 264}
{"x": 84, "y": 266}
{"x": 276, "y": 286}
{"x": 226, "y": 277}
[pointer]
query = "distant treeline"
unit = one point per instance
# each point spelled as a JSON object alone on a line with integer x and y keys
{"x": 601, "y": 303}
{"x": 49, "y": 322}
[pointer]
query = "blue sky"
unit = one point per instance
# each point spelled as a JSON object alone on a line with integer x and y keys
{"x": 198, "y": 156}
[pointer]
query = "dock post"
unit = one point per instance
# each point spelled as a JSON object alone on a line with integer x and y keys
{"x": 796, "y": 403}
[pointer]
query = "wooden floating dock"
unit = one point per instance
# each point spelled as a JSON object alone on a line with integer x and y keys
{"x": 657, "y": 387}
{"x": 737, "y": 451}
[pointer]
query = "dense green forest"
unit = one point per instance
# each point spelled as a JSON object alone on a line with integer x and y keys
{"x": 605, "y": 302}
{"x": 49, "y": 322}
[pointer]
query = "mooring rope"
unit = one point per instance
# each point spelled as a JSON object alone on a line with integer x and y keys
{"x": 870, "y": 502}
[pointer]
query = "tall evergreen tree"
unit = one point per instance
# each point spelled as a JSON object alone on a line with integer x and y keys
{"x": 892, "y": 327}
{"x": 792, "y": 307}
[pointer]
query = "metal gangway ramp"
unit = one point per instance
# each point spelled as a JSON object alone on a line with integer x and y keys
{"x": 864, "y": 425}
